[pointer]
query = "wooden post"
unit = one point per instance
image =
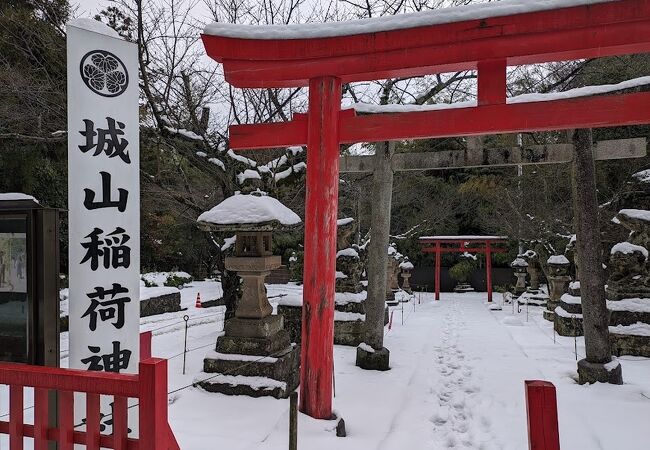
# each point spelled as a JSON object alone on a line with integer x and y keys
{"x": 293, "y": 421}
{"x": 321, "y": 207}
{"x": 153, "y": 404}
{"x": 488, "y": 269}
{"x": 145, "y": 345}
{"x": 438, "y": 263}
{"x": 541, "y": 409}
{"x": 492, "y": 82}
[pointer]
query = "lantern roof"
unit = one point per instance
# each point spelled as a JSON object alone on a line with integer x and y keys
{"x": 249, "y": 212}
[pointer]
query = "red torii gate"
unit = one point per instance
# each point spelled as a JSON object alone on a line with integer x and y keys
{"x": 487, "y": 40}
{"x": 458, "y": 244}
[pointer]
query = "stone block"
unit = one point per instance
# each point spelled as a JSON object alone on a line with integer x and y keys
{"x": 374, "y": 360}
{"x": 599, "y": 373}
{"x": 284, "y": 369}
{"x": 253, "y": 346}
{"x": 255, "y": 328}
{"x": 628, "y": 344}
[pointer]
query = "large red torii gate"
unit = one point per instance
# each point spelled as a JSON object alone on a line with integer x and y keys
{"x": 459, "y": 244}
{"x": 488, "y": 38}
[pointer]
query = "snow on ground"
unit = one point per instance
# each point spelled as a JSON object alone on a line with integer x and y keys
{"x": 457, "y": 381}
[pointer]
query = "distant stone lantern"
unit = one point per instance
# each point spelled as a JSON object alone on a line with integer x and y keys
{"x": 254, "y": 331}
{"x": 558, "y": 282}
{"x": 407, "y": 267}
{"x": 520, "y": 267}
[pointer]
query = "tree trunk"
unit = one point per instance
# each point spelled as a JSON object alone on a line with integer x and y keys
{"x": 382, "y": 191}
{"x": 589, "y": 247}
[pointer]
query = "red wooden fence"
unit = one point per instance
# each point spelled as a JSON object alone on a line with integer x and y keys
{"x": 149, "y": 387}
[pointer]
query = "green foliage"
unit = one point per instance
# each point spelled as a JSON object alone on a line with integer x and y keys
{"x": 462, "y": 271}
{"x": 176, "y": 280}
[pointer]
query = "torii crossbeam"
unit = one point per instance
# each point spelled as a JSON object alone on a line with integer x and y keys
{"x": 487, "y": 38}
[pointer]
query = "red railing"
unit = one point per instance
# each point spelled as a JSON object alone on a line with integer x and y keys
{"x": 149, "y": 387}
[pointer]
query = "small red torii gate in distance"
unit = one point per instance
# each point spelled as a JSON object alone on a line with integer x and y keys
{"x": 458, "y": 244}
{"x": 489, "y": 39}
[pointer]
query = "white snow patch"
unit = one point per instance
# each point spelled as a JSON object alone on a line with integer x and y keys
{"x": 248, "y": 174}
{"x": 249, "y": 209}
{"x": 519, "y": 262}
{"x": 241, "y": 159}
{"x": 343, "y": 298}
{"x": 638, "y": 329}
{"x": 558, "y": 259}
{"x": 348, "y": 252}
{"x": 340, "y": 275}
{"x": 563, "y": 313}
{"x": 14, "y": 196}
{"x": 627, "y": 249}
{"x": 293, "y": 169}
{"x": 147, "y": 293}
{"x": 233, "y": 357}
{"x": 641, "y": 305}
{"x": 571, "y": 299}
{"x": 512, "y": 321}
{"x": 217, "y": 162}
{"x": 643, "y": 176}
{"x": 341, "y": 222}
{"x": 407, "y": 265}
{"x": 366, "y": 348}
{"x": 201, "y": 154}
{"x": 390, "y": 22}
{"x": 639, "y": 214}
{"x": 257, "y": 383}
{"x": 185, "y": 133}
{"x": 342, "y": 316}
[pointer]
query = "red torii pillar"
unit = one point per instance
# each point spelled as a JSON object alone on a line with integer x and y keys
{"x": 321, "y": 208}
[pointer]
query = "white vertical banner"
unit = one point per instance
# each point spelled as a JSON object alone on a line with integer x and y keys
{"x": 103, "y": 199}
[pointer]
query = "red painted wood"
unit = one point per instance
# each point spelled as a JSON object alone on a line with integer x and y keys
{"x": 320, "y": 248}
{"x": 153, "y": 401}
{"x": 41, "y": 418}
{"x": 488, "y": 269}
{"x": 145, "y": 345}
{"x": 92, "y": 421}
{"x": 66, "y": 420}
{"x": 588, "y": 112}
{"x": 545, "y": 22}
{"x": 607, "y": 29}
{"x": 69, "y": 379}
{"x": 120, "y": 422}
{"x": 468, "y": 250}
{"x": 492, "y": 82}
{"x": 16, "y": 417}
{"x": 541, "y": 408}
{"x": 438, "y": 253}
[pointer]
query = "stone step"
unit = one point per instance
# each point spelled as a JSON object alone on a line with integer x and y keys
{"x": 567, "y": 323}
{"x": 243, "y": 385}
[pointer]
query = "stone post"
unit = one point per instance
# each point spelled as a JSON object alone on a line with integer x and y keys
{"x": 597, "y": 366}
{"x": 377, "y": 357}
{"x": 558, "y": 282}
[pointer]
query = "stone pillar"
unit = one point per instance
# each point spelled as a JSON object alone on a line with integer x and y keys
{"x": 377, "y": 357}
{"x": 597, "y": 366}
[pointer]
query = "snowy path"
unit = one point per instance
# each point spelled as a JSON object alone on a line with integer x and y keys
{"x": 456, "y": 382}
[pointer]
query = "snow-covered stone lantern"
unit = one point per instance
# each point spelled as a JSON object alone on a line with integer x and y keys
{"x": 254, "y": 331}
{"x": 558, "y": 282}
{"x": 407, "y": 267}
{"x": 520, "y": 266}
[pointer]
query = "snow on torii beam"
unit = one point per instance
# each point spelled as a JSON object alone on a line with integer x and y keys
{"x": 486, "y": 37}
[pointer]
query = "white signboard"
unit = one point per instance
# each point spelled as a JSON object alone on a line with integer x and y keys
{"x": 103, "y": 199}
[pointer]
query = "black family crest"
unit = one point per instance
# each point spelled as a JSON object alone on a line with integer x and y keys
{"x": 104, "y": 73}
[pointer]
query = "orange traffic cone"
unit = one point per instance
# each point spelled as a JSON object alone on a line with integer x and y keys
{"x": 198, "y": 301}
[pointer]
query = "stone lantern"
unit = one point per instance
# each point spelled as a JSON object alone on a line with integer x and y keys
{"x": 407, "y": 267}
{"x": 533, "y": 270}
{"x": 520, "y": 267}
{"x": 254, "y": 331}
{"x": 558, "y": 282}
